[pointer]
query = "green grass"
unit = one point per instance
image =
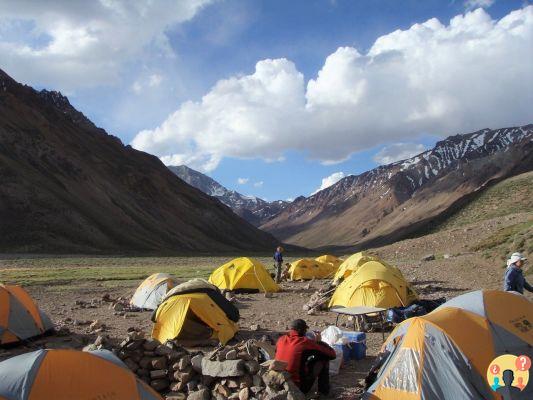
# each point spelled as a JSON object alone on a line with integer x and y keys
{"x": 109, "y": 271}
{"x": 511, "y": 196}
{"x": 517, "y": 237}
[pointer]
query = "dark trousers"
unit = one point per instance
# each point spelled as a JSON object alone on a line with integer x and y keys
{"x": 315, "y": 369}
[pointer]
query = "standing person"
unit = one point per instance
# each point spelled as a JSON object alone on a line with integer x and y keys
{"x": 514, "y": 276}
{"x": 307, "y": 359}
{"x": 278, "y": 258}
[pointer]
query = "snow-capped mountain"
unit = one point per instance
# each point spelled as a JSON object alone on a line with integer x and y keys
{"x": 393, "y": 200}
{"x": 253, "y": 209}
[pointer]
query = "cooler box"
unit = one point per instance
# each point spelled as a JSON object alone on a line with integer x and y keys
{"x": 346, "y": 351}
{"x": 356, "y": 343}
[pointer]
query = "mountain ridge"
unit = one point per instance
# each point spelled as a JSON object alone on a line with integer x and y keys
{"x": 69, "y": 186}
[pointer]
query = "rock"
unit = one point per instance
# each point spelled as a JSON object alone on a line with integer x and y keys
{"x": 90, "y": 347}
{"x": 162, "y": 350}
{"x": 96, "y": 324}
{"x": 252, "y": 367}
{"x": 255, "y": 327}
{"x": 274, "y": 379}
{"x": 223, "y": 390}
{"x": 178, "y": 387}
{"x": 150, "y": 344}
{"x": 268, "y": 295}
{"x": 231, "y": 355}
{"x": 159, "y": 363}
{"x": 134, "y": 345}
{"x": 257, "y": 380}
{"x": 202, "y": 394}
{"x": 429, "y": 257}
{"x": 446, "y": 256}
{"x": 275, "y": 365}
{"x": 158, "y": 374}
{"x": 274, "y": 395}
{"x": 256, "y": 389}
{"x": 100, "y": 340}
{"x": 175, "y": 396}
{"x": 118, "y": 307}
{"x": 146, "y": 362}
{"x": 232, "y": 384}
{"x": 132, "y": 365}
{"x": 184, "y": 363}
{"x": 196, "y": 362}
{"x": 160, "y": 384}
{"x": 293, "y": 392}
{"x": 183, "y": 377}
{"x": 223, "y": 369}
{"x": 244, "y": 394}
{"x": 192, "y": 386}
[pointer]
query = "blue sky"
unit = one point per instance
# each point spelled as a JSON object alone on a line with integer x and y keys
{"x": 279, "y": 93}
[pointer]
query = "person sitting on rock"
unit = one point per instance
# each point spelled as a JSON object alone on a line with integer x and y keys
{"x": 514, "y": 277}
{"x": 306, "y": 359}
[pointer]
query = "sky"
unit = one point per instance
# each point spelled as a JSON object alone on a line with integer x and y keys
{"x": 277, "y": 98}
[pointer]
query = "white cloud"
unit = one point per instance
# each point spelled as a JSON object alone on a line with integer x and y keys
{"x": 242, "y": 181}
{"x": 151, "y": 81}
{"x": 85, "y": 43}
{"x": 330, "y": 180}
{"x": 473, "y": 4}
{"x": 258, "y": 184}
{"x": 397, "y": 152}
{"x": 431, "y": 78}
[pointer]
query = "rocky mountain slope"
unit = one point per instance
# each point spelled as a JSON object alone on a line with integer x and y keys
{"x": 68, "y": 186}
{"x": 253, "y": 209}
{"x": 392, "y": 201}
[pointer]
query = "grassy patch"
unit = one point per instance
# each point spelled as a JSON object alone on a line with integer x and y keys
{"x": 501, "y": 244}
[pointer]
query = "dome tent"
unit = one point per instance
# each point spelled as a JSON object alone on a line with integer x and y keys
{"x": 243, "y": 274}
{"x": 351, "y": 264}
{"x": 195, "y": 310}
{"x": 329, "y": 259}
{"x": 445, "y": 354}
{"x": 70, "y": 374}
{"x": 374, "y": 284}
{"x": 20, "y": 317}
{"x": 306, "y": 269}
{"x": 152, "y": 290}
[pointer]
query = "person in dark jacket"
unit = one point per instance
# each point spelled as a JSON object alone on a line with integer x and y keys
{"x": 307, "y": 359}
{"x": 278, "y": 259}
{"x": 514, "y": 277}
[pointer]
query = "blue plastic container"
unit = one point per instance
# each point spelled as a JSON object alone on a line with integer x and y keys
{"x": 346, "y": 351}
{"x": 356, "y": 343}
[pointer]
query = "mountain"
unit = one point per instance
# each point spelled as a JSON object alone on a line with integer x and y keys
{"x": 395, "y": 200}
{"x": 253, "y": 209}
{"x": 68, "y": 186}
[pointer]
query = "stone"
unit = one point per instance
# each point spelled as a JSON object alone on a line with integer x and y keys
{"x": 175, "y": 396}
{"x": 446, "y": 256}
{"x": 252, "y": 367}
{"x": 255, "y": 327}
{"x": 202, "y": 394}
{"x": 273, "y": 395}
{"x": 143, "y": 372}
{"x": 223, "y": 369}
{"x": 223, "y": 390}
{"x": 256, "y": 389}
{"x": 244, "y": 394}
{"x": 274, "y": 379}
{"x": 162, "y": 350}
{"x": 429, "y": 257}
{"x": 158, "y": 374}
{"x": 178, "y": 387}
{"x": 257, "y": 380}
{"x": 159, "y": 363}
{"x": 293, "y": 392}
{"x": 275, "y": 365}
{"x": 134, "y": 345}
{"x": 146, "y": 362}
{"x": 184, "y": 362}
{"x": 90, "y": 347}
{"x": 150, "y": 344}
{"x": 132, "y": 365}
{"x": 232, "y": 384}
{"x": 231, "y": 355}
{"x": 96, "y": 324}
{"x": 118, "y": 307}
{"x": 183, "y": 377}
{"x": 159, "y": 384}
{"x": 196, "y": 362}
{"x": 192, "y": 386}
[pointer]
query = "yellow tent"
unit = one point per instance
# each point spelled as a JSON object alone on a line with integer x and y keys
{"x": 446, "y": 354}
{"x": 374, "y": 284}
{"x": 195, "y": 311}
{"x": 306, "y": 268}
{"x": 351, "y": 264}
{"x": 244, "y": 274}
{"x": 329, "y": 259}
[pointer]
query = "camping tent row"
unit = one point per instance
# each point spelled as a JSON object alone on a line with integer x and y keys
{"x": 20, "y": 317}
{"x": 70, "y": 374}
{"x": 323, "y": 267}
{"x": 374, "y": 284}
{"x": 446, "y": 354}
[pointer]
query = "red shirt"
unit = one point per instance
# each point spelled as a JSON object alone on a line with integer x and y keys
{"x": 290, "y": 348}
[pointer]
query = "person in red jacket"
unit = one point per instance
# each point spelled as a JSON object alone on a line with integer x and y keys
{"x": 306, "y": 359}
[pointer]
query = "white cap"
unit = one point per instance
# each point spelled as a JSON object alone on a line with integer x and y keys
{"x": 515, "y": 257}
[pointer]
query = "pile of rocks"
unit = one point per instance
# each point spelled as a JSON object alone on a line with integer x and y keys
{"x": 228, "y": 372}
{"x": 120, "y": 305}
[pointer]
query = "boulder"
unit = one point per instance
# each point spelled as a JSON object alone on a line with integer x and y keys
{"x": 223, "y": 369}
{"x": 202, "y": 394}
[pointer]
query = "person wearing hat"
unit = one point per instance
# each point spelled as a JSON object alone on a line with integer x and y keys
{"x": 307, "y": 359}
{"x": 514, "y": 280}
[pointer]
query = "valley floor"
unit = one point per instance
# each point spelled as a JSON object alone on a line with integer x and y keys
{"x": 467, "y": 257}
